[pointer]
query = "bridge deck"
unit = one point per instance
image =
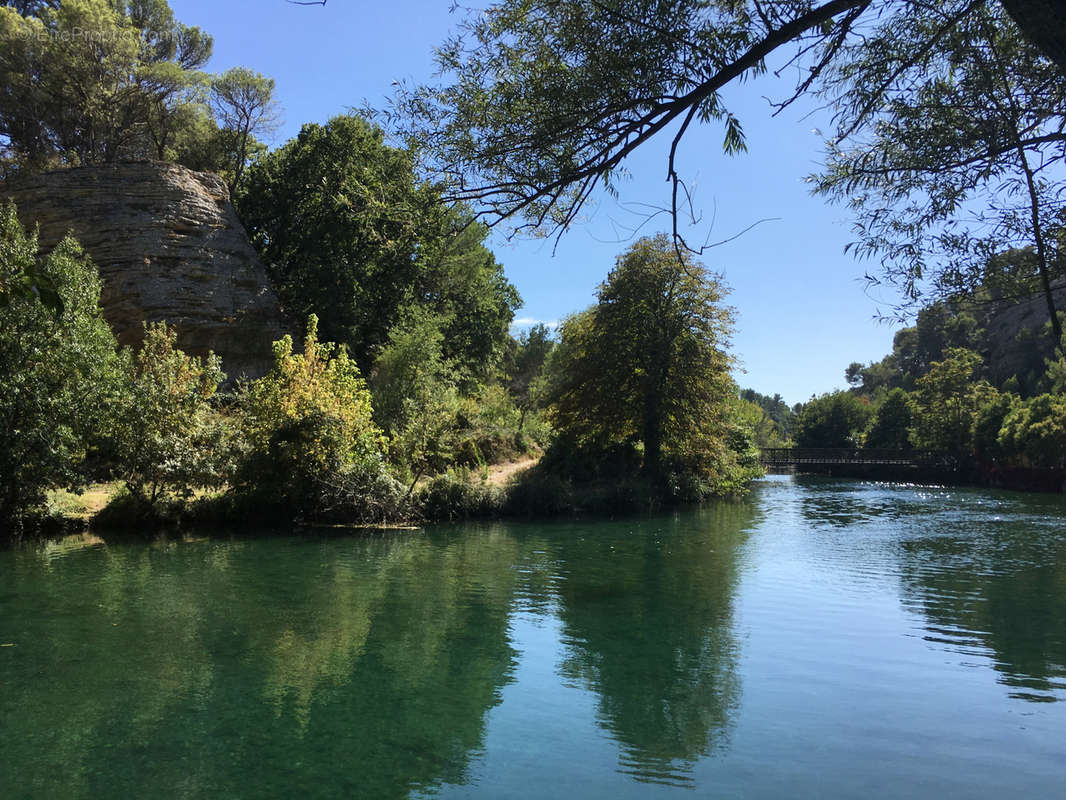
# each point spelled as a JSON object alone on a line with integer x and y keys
{"x": 814, "y": 456}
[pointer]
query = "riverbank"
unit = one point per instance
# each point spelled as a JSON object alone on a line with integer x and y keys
{"x": 524, "y": 488}
{"x": 508, "y": 490}
{"x": 105, "y": 505}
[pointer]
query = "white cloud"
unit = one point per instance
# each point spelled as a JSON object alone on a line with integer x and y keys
{"x": 528, "y": 322}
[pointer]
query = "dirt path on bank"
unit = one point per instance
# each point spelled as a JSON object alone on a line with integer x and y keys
{"x": 499, "y": 474}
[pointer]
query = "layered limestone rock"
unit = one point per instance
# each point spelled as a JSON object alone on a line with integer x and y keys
{"x": 169, "y": 247}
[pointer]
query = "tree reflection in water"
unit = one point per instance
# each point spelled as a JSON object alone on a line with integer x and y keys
{"x": 998, "y": 589}
{"x": 275, "y": 667}
{"x": 647, "y": 613}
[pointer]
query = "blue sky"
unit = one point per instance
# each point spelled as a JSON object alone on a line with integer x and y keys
{"x": 803, "y": 313}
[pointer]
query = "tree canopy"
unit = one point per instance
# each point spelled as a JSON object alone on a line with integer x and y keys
{"x": 91, "y": 81}
{"x": 960, "y": 163}
{"x": 349, "y": 233}
{"x": 648, "y": 362}
{"x": 837, "y": 419}
{"x": 539, "y": 104}
{"x": 244, "y": 102}
{"x": 98, "y": 81}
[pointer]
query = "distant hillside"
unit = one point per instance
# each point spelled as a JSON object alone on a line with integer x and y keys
{"x": 1013, "y": 337}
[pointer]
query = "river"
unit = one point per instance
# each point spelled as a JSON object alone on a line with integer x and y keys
{"x": 822, "y": 638}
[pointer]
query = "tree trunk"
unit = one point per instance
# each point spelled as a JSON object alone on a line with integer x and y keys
{"x": 1041, "y": 250}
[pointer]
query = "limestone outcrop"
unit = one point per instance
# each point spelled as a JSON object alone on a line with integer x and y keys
{"x": 169, "y": 247}
{"x": 1014, "y": 329}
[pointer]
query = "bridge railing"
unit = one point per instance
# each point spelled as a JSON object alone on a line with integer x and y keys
{"x": 817, "y": 456}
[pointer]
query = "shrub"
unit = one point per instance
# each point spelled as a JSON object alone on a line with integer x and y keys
{"x": 58, "y": 368}
{"x": 538, "y": 492}
{"x": 169, "y": 440}
{"x": 455, "y": 495}
{"x": 309, "y": 433}
{"x": 1034, "y": 431}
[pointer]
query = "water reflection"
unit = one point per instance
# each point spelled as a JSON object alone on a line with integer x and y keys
{"x": 370, "y": 667}
{"x": 266, "y": 668}
{"x": 990, "y": 577}
{"x": 647, "y": 613}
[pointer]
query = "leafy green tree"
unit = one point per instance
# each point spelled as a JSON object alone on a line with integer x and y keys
{"x": 781, "y": 417}
{"x": 1009, "y": 331}
{"x": 539, "y": 104}
{"x": 169, "y": 440}
{"x": 890, "y": 428}
{"x": 93, "y": 81}
{"x": 349, "y": 233}
{"x": 853, "y": 374}
{"x": 415, "y": 398}
{"x": 31, "y": 7}
{"x": 463, "y": 284}
{"x": 60, "y": 373}
{"x": 648, "y": 362}
{"x": 832, "y": 420}
{"x": 1034, "y": 431}
{"x": 1056, "y": 375}
{"x": 526, "y": 368}
{"x": 945, "y": 402}
{"x": 966, "y": 136}
{"x": 992, "y": 410}
{"x": 244, "y": 103}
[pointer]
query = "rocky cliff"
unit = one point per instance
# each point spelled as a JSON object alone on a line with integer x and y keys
{"x": 169, "y": 247}
{"x": 1015, "y": 332}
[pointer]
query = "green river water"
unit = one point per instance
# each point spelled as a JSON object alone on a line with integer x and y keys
{"x": 820, "y": 639}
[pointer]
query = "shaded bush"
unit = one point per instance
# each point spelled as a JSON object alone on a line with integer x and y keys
{"x": 455, "y": 495}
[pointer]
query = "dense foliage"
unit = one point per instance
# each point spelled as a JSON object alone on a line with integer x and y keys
{"x": 832, "y": 420}
{"x": 97, "y": 81}
{"x": 1011, "y": 330}
{"x": 776, "y": 420}
{"x": 638, "y": 385}
{"x": 647, "y": 365}
{"x": 308, "y": 427}
{"x": 350, "y": 234}
{"x": 971, "y": 379}
{"x": 60, "y": 373}
{"x": 169, "y": 439}
{"x": 891, "y": 424}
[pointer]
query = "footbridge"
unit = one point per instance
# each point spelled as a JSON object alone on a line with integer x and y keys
{"x": 826, "y": 458}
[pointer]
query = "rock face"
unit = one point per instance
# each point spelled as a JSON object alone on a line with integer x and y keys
{"x": 169, "y": 247}
{"x": 1013, "y": 328}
